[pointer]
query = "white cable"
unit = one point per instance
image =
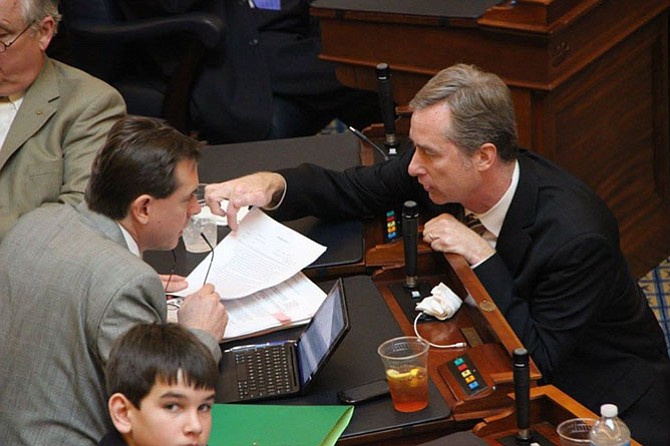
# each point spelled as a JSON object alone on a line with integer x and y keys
{"x": 416, "y": 332}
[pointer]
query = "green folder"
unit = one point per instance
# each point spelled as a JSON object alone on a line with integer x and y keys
{"x": 277, "y": 425}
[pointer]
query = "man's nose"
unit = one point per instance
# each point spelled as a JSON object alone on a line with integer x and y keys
{"x": 415, "y": 168}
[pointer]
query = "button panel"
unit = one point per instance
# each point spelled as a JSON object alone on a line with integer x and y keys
{"x": 466, "y": 374}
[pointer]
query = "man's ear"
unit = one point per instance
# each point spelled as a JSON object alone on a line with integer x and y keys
{"x": 119, "y": 408}
{"x": 140, "y": 208}
{"x": 485, "y": 156}
{"x": 46, "y": 31}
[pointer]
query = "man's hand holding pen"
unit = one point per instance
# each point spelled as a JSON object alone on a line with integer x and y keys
{"x": 203, "y": 310}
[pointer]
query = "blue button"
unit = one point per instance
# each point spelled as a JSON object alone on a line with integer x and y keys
{"x": 458, "y": 361}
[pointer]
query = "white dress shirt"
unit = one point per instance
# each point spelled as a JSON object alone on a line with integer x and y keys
{"x": 9, "y": 107}
{"x": 493, "y": 219}
{"x": 130, "y": 241}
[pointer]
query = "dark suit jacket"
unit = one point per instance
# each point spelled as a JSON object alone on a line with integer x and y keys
{"x": 558, "y": 275}
{"x": 264, "y": 53}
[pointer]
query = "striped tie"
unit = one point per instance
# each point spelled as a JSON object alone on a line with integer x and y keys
{"x": 473, "y": 223}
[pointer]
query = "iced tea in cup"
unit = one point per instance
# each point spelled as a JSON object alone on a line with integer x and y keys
{"x": 405, "y": 360}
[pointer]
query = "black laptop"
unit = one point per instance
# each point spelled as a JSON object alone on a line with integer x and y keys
{"x": 289, "y": 367}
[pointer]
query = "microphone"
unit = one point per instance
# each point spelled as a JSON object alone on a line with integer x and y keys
{"x": 387, "y": 106}
{"x": 522, "y": 394}
{"x": 410, "y": 217}
{"x": 360, "y": 135}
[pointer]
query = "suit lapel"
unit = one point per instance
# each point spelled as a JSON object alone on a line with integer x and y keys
{"x": 513, "y": 241}
{"x": 34, "y": 112}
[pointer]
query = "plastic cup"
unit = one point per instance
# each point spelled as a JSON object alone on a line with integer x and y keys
{"x": 405, "y": 362}
{"x": 575, "y": 431}
{"x": 193, "y": 241}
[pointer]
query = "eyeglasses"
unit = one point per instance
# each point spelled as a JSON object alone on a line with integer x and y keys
{"x": 211, "y": 257}
{"x": 4, "y": 46}
{"x": 176, "y": 302}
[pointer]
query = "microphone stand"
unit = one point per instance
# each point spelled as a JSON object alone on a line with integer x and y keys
{"x": 524, "y": 436}
{"x": 387, "y": 107}
{"x": 410, "y": 217}
{"x": 522, "y": 395}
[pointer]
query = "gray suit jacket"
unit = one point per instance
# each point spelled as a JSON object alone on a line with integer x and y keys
{"x": 48, "y": 152}
{"x": 68, "y": 287}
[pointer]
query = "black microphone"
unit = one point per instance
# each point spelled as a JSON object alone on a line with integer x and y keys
{"x": 410, "y": 217}
{"x": 387, "y": 107}
{"x": 522, "y": 394}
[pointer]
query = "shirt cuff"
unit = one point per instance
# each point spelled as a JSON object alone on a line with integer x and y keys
{"x": 482, "y": 261}
{"x": 281, "y": 200}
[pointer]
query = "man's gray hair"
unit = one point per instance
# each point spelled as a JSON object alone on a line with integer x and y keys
{"x": 36, "y": 10}
{"x": 481, "y": 108}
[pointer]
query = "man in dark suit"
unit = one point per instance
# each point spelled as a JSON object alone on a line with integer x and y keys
{"x": 549, "y": 255}
{"x": 265, "y": 79}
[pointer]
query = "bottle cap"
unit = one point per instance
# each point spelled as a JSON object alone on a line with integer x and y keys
{"x": 609, "y": 410}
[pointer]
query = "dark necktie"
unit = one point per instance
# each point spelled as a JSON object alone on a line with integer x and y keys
{"x": 473, "y": 223}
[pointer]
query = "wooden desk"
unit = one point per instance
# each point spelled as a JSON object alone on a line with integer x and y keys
{"x": 589, "y": 79}
{"x": 492, "y": 412}
{"x": 548, "y": 408}
{"x": 356, "y": 362}
{"x": 490, "y": 339}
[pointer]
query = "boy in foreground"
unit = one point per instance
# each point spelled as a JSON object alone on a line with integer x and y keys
{"x": 161, "y": 380}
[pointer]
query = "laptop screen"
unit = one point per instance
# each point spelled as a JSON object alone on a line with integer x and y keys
{"x": 321, "y": 337}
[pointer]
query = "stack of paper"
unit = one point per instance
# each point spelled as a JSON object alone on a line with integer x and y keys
{"x": 256, "y": 270}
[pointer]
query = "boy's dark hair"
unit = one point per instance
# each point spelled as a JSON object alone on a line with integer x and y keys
{"x": 139, "y": 157}
{"x": 148, "y": 353}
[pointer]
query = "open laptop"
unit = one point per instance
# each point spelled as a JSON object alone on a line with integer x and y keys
{"x": 276, "y": 369}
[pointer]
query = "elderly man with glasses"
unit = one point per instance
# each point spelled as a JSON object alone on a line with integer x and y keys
{"x": 53, "y": 117}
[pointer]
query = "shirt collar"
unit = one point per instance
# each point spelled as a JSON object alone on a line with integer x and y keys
{"x": 493, "y": 218}
{"x": 130, "y": 241}
{"x": 16, "y": 99}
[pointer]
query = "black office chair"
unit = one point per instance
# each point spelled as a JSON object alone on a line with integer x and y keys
{"x": 103, "y": 43}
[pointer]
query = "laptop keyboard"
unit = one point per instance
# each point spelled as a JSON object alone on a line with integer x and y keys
{"x": 264, "y": 372}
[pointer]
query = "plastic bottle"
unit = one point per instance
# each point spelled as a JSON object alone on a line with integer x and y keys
{"x": 609, "y": 430}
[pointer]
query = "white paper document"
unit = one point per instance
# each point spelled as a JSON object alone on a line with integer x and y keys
{"x": 290, "y": 303}
{"x": 256, "y": 270}
{"x": 260, "y": 254}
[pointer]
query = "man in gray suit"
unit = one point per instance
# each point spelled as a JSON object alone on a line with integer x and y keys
{"x": 52, "y": 117}
{"x": 72, "y": 280}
